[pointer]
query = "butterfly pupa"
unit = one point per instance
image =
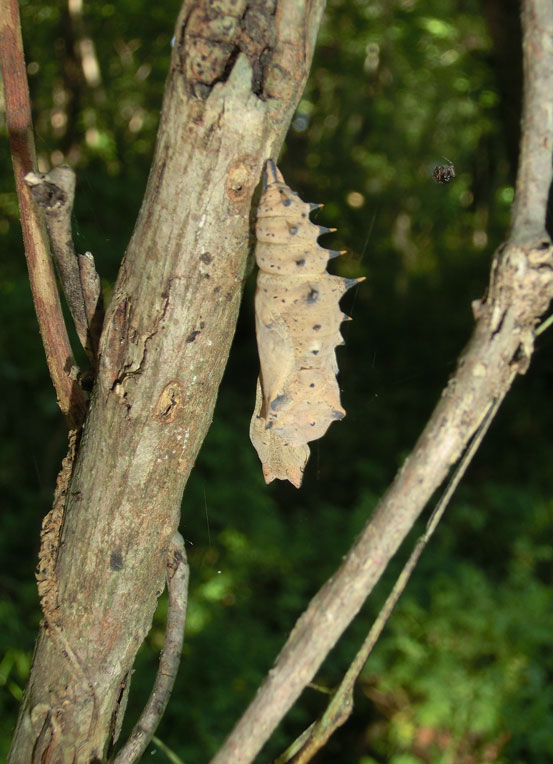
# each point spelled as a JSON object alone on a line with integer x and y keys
{"x": 297, "y": 318}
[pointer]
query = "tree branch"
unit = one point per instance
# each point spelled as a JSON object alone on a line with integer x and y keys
{"x": 54, "y": 193}
{"x": 237, "y": 73}
{"x": 521, "y": 287}
{"x": 177, "y": 586}
{"x": 535, "y": 168}
{"x": 341, "y": 704}
{"x": 59, "y": 355}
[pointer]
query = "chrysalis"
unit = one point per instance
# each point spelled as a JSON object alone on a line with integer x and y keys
{"x": 297, "y": 317}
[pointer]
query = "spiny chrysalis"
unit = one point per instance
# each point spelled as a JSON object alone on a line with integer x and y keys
{"x": 297, "y": 318}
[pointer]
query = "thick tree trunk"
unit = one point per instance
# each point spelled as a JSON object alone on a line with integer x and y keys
{"x": 236, "y": 76}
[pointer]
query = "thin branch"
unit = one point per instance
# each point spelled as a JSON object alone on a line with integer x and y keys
{"x": 535, "y": 167}
{"x": 521, "y": 288}
{"x": 341, "y": 704}
{"x": 59, "y": 355}
{"x": 54, "y": 193}
{"x": 544, "y": 325}
{"x": 171, "y": 755}
{"x": 177, "y": 586}
{"x": 93, "y": 302}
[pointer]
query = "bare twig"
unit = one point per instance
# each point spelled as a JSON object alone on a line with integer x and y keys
{"x": 54, "y": 193}
{"x": 535, "y": 168}
{"x": 341, "y": 704}
{"x": 171, "y": 755}
{"x": 93, "y": 302}
{"x": 177, "y": 586}
{"x": 59, "y": 355}
{"x": 521, "y": 288}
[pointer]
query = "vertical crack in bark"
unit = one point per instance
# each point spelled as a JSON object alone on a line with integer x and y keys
{"x": 133, "y": 343}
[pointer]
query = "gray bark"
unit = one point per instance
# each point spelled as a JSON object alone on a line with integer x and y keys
{"x": 236, "y": 76}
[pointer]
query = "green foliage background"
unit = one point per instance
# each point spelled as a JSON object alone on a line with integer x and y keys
{"x": 464, "y": 671}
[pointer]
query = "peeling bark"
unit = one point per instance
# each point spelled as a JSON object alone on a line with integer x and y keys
{"x": 235, "y": 79}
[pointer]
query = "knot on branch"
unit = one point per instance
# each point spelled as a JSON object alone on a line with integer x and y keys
{"x": 522, "y": 278}
{"x": 521, "y": 289}
{"x": 46, "y": 194}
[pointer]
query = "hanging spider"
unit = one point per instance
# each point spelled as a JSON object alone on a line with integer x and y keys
{"x": 444, "y": 173}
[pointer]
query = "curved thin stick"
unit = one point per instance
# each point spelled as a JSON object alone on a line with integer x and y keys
{"x": 177, "y": 586}
{"x": 59, "y": 355}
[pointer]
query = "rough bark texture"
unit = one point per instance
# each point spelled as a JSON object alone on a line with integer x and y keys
{"x": 237, "y": 72}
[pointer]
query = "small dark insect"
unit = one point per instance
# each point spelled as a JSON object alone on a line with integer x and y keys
{"x": 444, "y": 173}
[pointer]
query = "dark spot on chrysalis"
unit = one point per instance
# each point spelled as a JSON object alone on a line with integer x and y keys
{"x": 313, "y": 295}
{"x": 316, "y": 327}
{"x": 312, "y": 384}
{"x": 338, "y": 414}
{"x": 292, "y": 230}
{"x": 116, "y": 561}
{"x": 206, "y": 258}
{"x": 300, "y": 263}
{"x": 192, "y": 336}
{"x": 315, "y": 352}
{"x": 278, "y": 402}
